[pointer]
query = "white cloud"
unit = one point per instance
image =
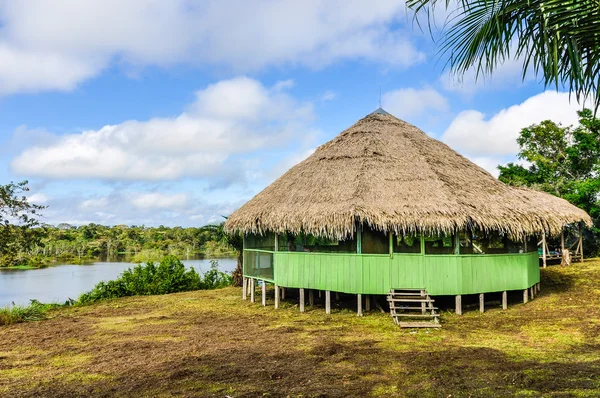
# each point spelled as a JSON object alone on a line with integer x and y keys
{"x": 236, "y": 116}
{"x": 472, "y": 134}
{"x": 409, "y": 103}
{"x": 155, "y": 200}
{"x": 56, "y": 45}
{"x": 38, "y": 198}
{"x": 328, "y": 95}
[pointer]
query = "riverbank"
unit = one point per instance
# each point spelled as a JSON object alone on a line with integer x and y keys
{"x": 211, "y": 343}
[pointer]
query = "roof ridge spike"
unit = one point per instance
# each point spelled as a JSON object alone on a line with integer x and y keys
{"x": 379, "y": 111}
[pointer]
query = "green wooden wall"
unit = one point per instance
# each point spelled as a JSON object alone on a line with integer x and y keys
{"x": 377, "y": 274}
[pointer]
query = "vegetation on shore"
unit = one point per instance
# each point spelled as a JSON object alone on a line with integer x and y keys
{"x": 212, "y": 343}
{"x": 168, "y": 276}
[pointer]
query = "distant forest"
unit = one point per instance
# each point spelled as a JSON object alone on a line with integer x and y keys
{"x": 69, "y": 243}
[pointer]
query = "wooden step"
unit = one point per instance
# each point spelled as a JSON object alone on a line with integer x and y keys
{"x": 419, "y": 325}
{"x": 406, "y": 294}
{"x": 411, "y": 300}
{"x": 418, "y": 315}
{"x": 413, "y": 308}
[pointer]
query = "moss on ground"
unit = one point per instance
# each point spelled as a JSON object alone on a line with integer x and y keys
{"x": 211, "y": 343}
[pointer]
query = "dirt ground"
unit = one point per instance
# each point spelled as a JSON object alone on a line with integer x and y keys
{"x": 213, "y": 344}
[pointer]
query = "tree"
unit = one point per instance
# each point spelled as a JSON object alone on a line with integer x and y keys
{"x": 559, "y": 39}
{"x": 236, "y": 241}
{"x": 17, "y": 219}
{"x": 564, "y": 161}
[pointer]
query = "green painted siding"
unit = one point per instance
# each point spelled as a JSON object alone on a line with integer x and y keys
{"x": 377, "y": 274}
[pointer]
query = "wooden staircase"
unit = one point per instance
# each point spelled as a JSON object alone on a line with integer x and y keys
{"x": 413, "y": 308}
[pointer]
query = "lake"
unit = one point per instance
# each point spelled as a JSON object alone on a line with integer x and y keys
{"x": 60, "y": 282}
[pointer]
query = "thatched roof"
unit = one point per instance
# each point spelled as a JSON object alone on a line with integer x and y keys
{"x": 391, "y": 175}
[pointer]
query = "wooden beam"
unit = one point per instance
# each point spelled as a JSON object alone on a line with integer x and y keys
{"x": 422, "y": 244}
{"x": 458, "y": 304}
{"x": 283, "y": 293}
{"x": 276, "y": 242}
{"x": 276, "y": 296}
{"x": 456, "y": 241}
{"x": 391, "y": 238}
{"x": 531, "y": 293}
{"x": 359, "y": 305}
{"x": 264, "y": 293}
{"x": 544, "y": 249}
{"x": 311, "y": 297}
{"x": 504, "y": 300}
{"x": 562, "y": 240}
{"x": 525, "y": 296}
{"x": 302, "y": 300}
{"x": 481, "y": 303}
{"x": 367, "y": 303}
{"x": 244, "y": 288}
{"x": 251, "y": 290}
{"x": 327, "y": 302}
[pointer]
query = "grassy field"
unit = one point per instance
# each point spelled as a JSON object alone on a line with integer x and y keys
{"x": 211, "y": 343}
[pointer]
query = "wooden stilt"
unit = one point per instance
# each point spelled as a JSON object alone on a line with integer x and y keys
{"x": 504, "y": 300}
{"x": 580, "y": 243}
{"x": 337, "y": 296}
{"x": 264, "y": 293}
{"x": 538, "y": 286}
{"x": 481, "y": 303}
{"x": 525, "y": 296}
{"x": 244, "y": 289}
{"x": 301, "y": 300}
{"x": 544, "y": 250}
{"x": 562, "y": 241}
{"x": 311, "y": 297}
{"x": 252, "y": 290}
{"x": 319, "y": 294}
{"x": 359, "y": 305}
{"x": 276, "y": 296}
{"x": 531, "y": 293}
{"x": 283, "y": 293}
{"x": 367, "y": 303}
{"x": 423, "y": 306}
{"x": 458, "y": 302}
{"x": 327, "y": 302}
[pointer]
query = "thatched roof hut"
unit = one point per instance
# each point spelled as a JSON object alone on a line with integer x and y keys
{"x": 390, "y": 175}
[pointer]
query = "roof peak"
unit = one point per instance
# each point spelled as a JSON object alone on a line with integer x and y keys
{"x": 379, "y": 111}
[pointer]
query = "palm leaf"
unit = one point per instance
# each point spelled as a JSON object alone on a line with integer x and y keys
{"x": 557, "y": 39}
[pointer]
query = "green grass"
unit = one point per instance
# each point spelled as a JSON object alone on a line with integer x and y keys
{"x": 212, "y": 343}
{"x": 36, "y": 311}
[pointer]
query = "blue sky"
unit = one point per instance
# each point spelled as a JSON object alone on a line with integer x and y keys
{"x": 175, "y": 113}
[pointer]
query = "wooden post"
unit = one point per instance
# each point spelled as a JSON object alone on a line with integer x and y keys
{"x": 264, "y": 293}
{"x": 311, "y": 297}
{"x": 276, "y": 296}
{"x": 367, "y": 303}
{"x": 359, "y": 305}
{"x": 525, "y": 296}
{"x": 337, "y": 296}
{"x": 504, "y": 300}
{"x": 319, "y": 293}
{"x": 456, "y": 241}
{"x": 244, "y": 289}
{"x": 276, "y": 242}
{"x": 283, "y": 293}
{"x": 327, "y": 302}
{"x": 562, "y": 241}
{"x": 422, "y": 243}
{"x": 391, "y": 244}
{"x": 458, "y": 302}
{"x": 252, "y": 290}
{"x": 544, "y": 249}
{"x": 531, "y": 293}
{"x": 359, "y": 239}
{"x": 423, "y": 306}
{"x": 538, "y": 286}
{"x": 481, "y": 303}
{"x": 301, "y": 300}
{"x": 580, "y": 242}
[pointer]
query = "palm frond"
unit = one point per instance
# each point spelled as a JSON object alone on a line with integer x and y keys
{"x": 557, "y": 39}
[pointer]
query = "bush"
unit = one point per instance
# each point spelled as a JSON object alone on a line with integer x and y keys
{"x": 170, "y": 276}
{"x": 36, "y": 311}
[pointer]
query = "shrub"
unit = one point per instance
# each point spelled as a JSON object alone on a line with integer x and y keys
{"x": 35, "y": 311}
{"x": 170, "y": 276}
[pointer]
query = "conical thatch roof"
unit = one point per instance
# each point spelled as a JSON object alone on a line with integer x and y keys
{"x": 392, "y": 176}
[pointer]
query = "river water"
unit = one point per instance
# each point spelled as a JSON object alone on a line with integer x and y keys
{"x": 58, "y": 283}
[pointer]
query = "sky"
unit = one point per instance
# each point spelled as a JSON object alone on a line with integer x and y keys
{"x": 152, "y": 112}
